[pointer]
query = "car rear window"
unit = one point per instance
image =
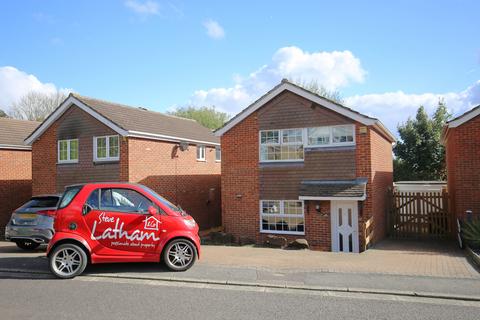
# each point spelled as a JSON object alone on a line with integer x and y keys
{"x": 68, "y": 196}
{"x": 42, "y": 202}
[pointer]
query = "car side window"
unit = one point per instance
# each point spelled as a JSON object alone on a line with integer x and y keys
{"x": 122, "y": 200}
{"x": 94, "y": 199}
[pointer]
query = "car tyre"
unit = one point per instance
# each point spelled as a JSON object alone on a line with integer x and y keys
{"x": 68, "y": 261}
{"x": 180, "y": 255}
{"x": 27, "y": 244}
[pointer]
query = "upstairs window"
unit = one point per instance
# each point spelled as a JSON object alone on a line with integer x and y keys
{"x": 281, "y": 145}
{"x": 331, "y": 136}
{"x": 200, "y": 153}
{"x": 218, "y": 154}
{"x": 68, "y": 151}
{"x": 106, "y": 148}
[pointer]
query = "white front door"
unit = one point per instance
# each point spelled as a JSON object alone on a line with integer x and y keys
{"x": 344, "y": 219}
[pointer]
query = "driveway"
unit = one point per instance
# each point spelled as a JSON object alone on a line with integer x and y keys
{"x": 412, "y": 258}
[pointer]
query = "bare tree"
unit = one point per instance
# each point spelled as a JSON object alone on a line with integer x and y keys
{"x": 316, "y": 88}
{"x": 3, "y": 114}
{"x": 36, "y": 106}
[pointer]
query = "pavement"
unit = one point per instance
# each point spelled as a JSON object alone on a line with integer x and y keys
{"x": 392, "y": 268}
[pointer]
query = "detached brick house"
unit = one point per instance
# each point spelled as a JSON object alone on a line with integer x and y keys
{"x": 461, "y": 137}
{"x": 298, "y": 165}
{"x": 91, "y": 140}
{"x": 15, "y": 167}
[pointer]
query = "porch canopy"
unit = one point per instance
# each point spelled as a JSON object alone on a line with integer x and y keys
{"x": 333, "y": 189}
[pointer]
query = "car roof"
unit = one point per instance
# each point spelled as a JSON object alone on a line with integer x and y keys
{"x": 46, "y": 196}
{"x": 106, "y": 184}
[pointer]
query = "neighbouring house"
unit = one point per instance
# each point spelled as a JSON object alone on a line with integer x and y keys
{"x": 298, "y": 165}
{"x": 461, "y": 137}
{"x": 91, "y": 140}
{"x": 15, "y": 167}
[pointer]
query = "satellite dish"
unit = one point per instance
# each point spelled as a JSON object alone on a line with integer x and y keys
{"x": 183, "y": 146}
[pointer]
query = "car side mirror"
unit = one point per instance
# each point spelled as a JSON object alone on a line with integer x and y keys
{"x": 152, "y": 211}
{"x": 86, "y": 209}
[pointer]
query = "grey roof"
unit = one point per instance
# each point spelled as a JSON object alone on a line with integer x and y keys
{"x": 143, "y": 120}
{"x": 464, "y": 114}
{"x": 13, "y": 132}
{"x": 333, "y": 188}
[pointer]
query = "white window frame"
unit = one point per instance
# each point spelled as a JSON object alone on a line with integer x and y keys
{"x": 202, "y": 154}
{"x": 107, "y": 145}
{"x": 68, "y": 151}
{"x": 280, "y": 142}
{"x": 331, "y": 143}
{"x": 219, "y": 150}
{"x": 282, "y": 215}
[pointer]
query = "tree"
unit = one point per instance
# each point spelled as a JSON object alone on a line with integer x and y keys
{"x": 316, "y": 88}
{"x": 207, "y": 116}
{"x": 3, "y": 114}
{"x": 36, "y": 106}
{"x": 419, "y": 153}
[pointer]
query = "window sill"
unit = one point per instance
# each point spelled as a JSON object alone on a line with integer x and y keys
{"x": 66, "y": 162}
{"x": 283, "y": 232}
{"x": 200, "y": 160}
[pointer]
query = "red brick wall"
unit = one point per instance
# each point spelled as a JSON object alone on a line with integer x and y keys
{"x": 178, "y": 176}
{"x": 15, "y": 182}
{"x": 463, "y": 167}
{"x": 240, "y": 179}
{"x": 44, "y": 162}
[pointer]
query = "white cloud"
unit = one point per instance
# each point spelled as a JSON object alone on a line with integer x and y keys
{"x": 15, "y": 83}
{"x": 393, "y": 108}
{"x": 214, "y": 29}
{"x": 331, "y": 69}
{"x": 143, "y": 7}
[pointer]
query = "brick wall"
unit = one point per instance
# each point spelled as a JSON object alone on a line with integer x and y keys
{"x": 15, "y": 182}
{"x": 463, "y": 167}
{"x": 178, "y": 176}
{"x": 44, "y": 162}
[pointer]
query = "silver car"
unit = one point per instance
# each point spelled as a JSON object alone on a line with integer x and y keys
{"x": 32, "y": 224}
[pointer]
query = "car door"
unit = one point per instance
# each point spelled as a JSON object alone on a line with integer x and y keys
{"x": 119, "y": 221}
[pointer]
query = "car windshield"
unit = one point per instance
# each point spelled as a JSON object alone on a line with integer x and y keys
{"x": 68, "y": 196}
{"x": 162, "y": 200}
{"x": 42, "y": 202}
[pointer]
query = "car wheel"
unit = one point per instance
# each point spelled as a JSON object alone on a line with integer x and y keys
{"x": 180, "y": 255}
{"x": 27, "y": 244}
{"x": 68, "y": 261}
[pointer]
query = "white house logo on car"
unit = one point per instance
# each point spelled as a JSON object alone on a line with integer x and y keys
{"x": 151, "y": 223}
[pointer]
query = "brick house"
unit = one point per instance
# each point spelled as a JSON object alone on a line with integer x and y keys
{"x": 461, "y": 137}
{"x": 91, "y": 140}
{"x": 15, "y": 167}
{"x": 298, "y": 165}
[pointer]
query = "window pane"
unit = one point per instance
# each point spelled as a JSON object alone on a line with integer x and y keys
{"x": 73, "y": 149}
{"x": 68, "y": 196}
{"x": 124, "y": 200}
{"x": 292, "y": 136}
{"x": 63, "y": 154}
{"x": 92, "y": 200}
{"x": 320, "y": 135}
{"x": 113, "y": 147}
{"x": 342, "y": 134}
{"x": 293, "y": 207}
{"x": 101, "y": 147}
{"x": 218, "y": 154}
{"x": 272, "y": 207}
{"x": 201, "y": 152}
{"x": 291, "y": 152}
{"x": 269, "y": 137}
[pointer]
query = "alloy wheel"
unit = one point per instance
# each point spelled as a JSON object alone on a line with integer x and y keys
{"x": 180, "y": 254}
{"x": 67, "y": 261}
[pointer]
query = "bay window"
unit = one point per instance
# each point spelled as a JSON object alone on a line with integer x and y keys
{"x": 282, "y": 216}
{"x": 106, "y": 148}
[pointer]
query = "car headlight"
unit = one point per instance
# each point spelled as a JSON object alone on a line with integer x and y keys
{"x": 190, "y": 223}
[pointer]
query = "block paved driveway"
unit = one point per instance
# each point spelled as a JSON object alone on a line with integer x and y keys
{"x": 396, "y": 257}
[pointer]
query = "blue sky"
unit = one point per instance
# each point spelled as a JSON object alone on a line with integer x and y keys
{"x": 385, "y": 58}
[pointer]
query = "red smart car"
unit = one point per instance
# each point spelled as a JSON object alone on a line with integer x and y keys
{"x": 119, "y": 222}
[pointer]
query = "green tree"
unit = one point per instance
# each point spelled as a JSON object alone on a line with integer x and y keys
{"x": 3, "y": 114}
{"x": 420, "y": 154}
{"x": 207, "y": 116}
{"x": 319, "y": 89}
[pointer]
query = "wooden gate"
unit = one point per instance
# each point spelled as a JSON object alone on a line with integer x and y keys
{"x": 419, "y": 215}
